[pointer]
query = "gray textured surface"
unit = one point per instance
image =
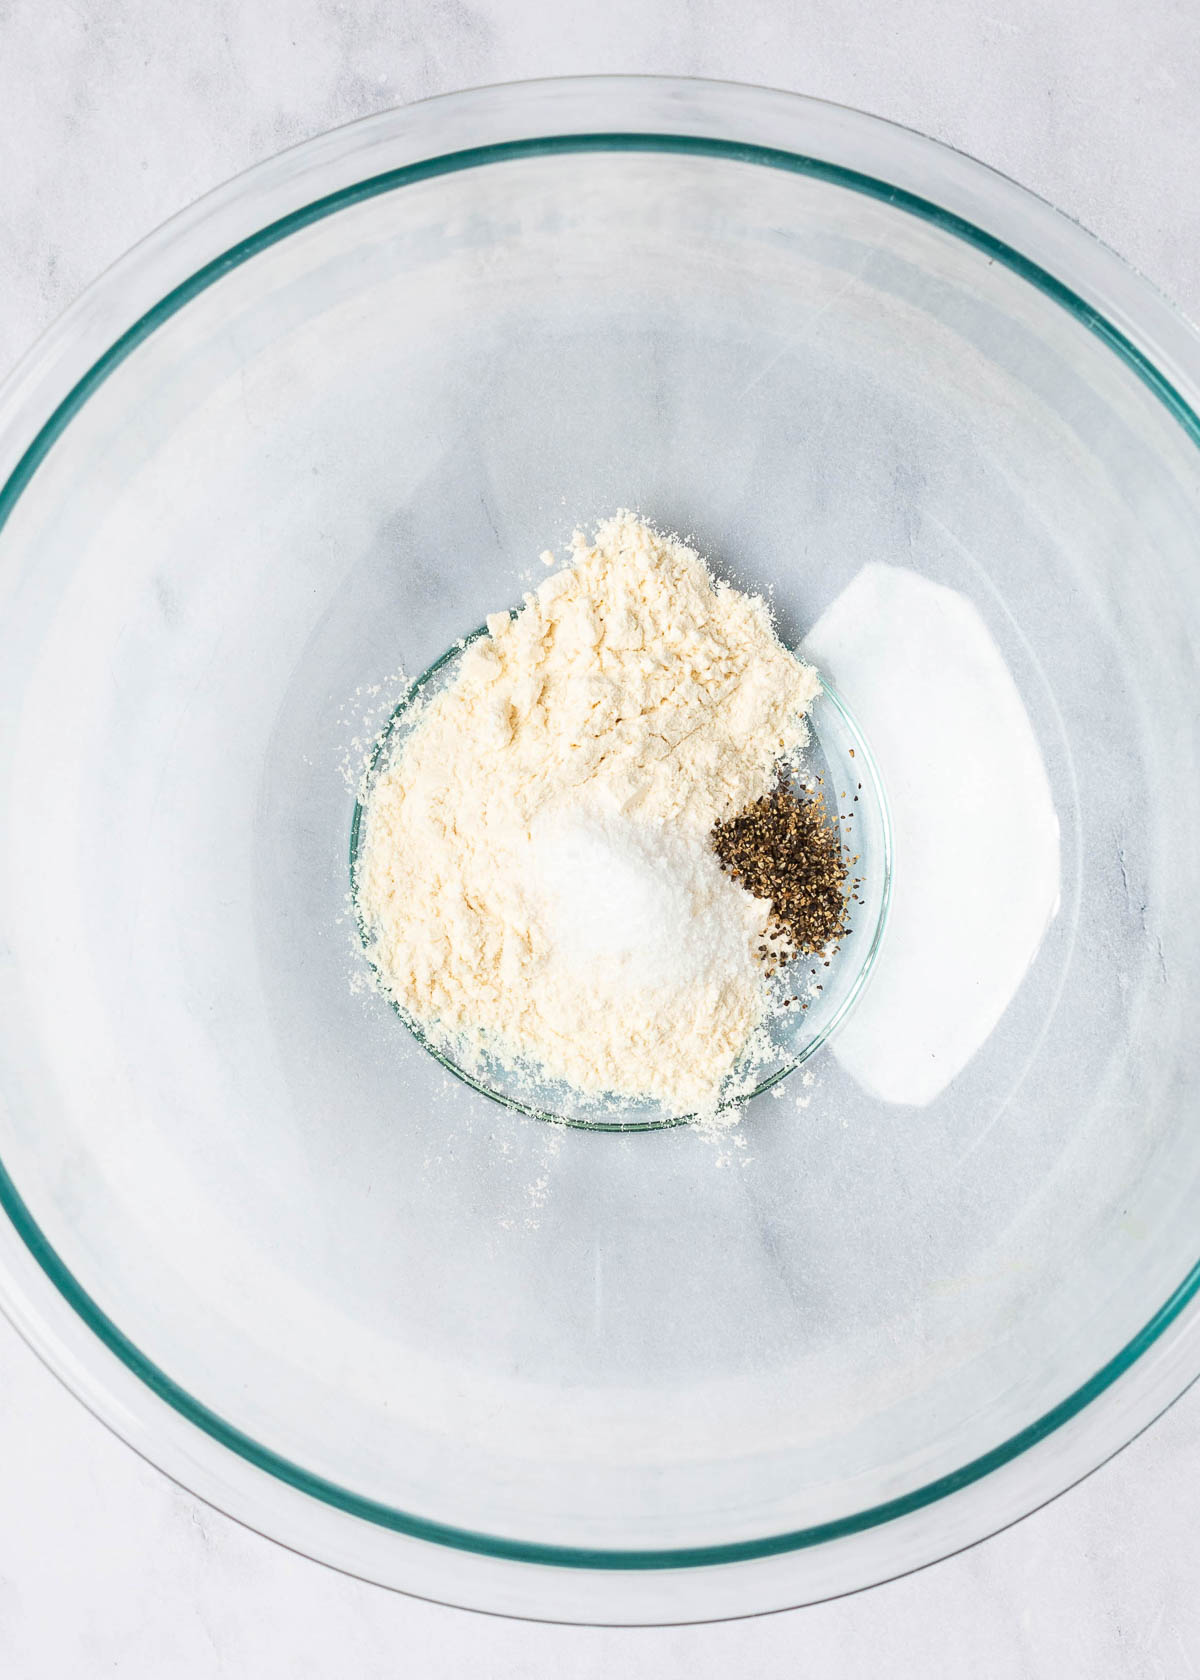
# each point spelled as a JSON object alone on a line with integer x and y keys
{"x": 113, "y": 114}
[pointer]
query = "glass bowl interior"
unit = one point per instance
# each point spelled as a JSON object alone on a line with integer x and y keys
{"x": 316, "y": 464}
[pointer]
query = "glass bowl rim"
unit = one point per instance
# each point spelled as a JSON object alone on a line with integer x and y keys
{"x": 1119, "y": 307}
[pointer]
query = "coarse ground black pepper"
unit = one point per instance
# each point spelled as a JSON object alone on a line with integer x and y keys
{"x": 786, "y": 848}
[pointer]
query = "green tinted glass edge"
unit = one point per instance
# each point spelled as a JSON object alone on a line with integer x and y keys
{"x": 76, "y": 1296}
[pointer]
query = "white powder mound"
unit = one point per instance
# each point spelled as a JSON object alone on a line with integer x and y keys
{"x": 647, "y": 904}
{"x": 536, "y": 877}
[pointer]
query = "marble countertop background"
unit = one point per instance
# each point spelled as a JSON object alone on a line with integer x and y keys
{"x": 114, "y": 114}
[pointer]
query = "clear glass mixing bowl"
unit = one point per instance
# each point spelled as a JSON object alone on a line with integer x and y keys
{"x": 305, "y": 435}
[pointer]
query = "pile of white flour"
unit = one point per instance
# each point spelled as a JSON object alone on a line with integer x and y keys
{"x": 536, "y": 876}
